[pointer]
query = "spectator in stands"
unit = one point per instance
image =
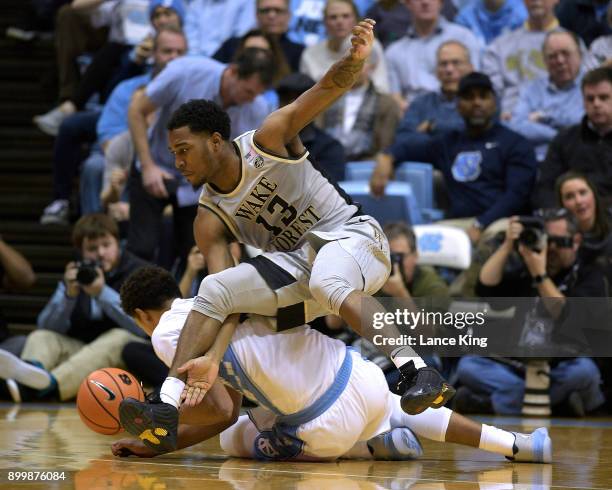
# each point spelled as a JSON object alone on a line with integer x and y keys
{"x": 101, "y": 74}
{"x": 325, "y": 151}
{"x": 411, "y": 61}
{"x": 154, "y": 182}
{"x": 256, "y": 38}
{"x": 307, "y": 26}
{"x": 435, "y": 112}
{"x": 273, "y": 21}
{"x": 340, "y": 16}
{"x": 601, "y": 48}
{"x": 208, "y": 24}
{"x": 393, "y": 18}
{"x": 586, "y": 147}
{"x": 16, "y": 274}
{"x": 488, "y": 19}
{"x": 587, "y": 18}
{"x": 554, "y": 272}
{"x": 516, "y": 57}
{"x": 553, "y": 102}
{"x": 363, "y": 120}
{"x": 576, "y": 193}
{"x": 82, "y": 328}
{"x": 488, "y": 169}
{"x": 169, "y": 43}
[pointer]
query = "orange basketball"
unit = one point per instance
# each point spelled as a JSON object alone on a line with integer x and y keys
{"x": 100, "y": 395}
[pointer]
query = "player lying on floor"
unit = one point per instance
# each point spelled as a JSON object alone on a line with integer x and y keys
{"x": 318, "y": 400}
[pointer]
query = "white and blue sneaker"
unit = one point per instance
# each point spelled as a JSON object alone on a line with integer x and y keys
{"x": 532, "y": 448}
{"x": 399, "y": 444}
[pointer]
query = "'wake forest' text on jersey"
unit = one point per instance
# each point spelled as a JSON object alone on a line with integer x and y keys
{"x": 278, "y": 200}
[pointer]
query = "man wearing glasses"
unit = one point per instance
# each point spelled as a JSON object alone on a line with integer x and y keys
{"x": 273, "y": 19}
{"x": 551, "y": 268}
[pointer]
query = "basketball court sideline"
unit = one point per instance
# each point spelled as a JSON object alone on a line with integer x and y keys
{"x": 52, "y": 440}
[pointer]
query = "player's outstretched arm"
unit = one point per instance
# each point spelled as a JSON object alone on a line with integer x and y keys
{"x": 283, "y": 125}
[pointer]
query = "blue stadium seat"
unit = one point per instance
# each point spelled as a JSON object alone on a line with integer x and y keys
{"x": 420, "y": 176}
{"x": 359, "y": 170}
{"x": 398, "y": 203}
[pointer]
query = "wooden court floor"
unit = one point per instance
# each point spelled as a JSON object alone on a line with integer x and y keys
{"x": 51, "y": 438}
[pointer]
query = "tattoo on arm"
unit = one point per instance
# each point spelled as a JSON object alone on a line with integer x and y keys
{"x": 343, "y": 74}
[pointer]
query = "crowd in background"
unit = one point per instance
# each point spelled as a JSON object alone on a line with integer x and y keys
{"x": 510, "y": 101}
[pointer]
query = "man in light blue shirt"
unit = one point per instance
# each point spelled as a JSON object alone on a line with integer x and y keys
{"x": 411, "y": 61}
{"x": 154, "y": 181}
{"x": 210, "y": 22}
{"x": 437, "y": 111}
{"x": 548, "y": 104}
{"x": 487, "y": 19}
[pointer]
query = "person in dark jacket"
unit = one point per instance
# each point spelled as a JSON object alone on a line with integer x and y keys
{"x": 82, "y": 328}
{"x": 585, "y": 147}
{"x": 488, "y": 169}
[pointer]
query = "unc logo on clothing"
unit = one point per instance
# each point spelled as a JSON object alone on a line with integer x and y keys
{"x": 466, "y": 167}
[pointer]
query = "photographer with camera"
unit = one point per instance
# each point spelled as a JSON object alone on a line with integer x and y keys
{"x": 547, "y": 249}
{"x": 82, "y": 328}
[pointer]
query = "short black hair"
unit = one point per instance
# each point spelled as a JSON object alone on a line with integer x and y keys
{"x": 201, "y": 115}
{"x": 256, "y": 61}
{"x": 148, "y": 288}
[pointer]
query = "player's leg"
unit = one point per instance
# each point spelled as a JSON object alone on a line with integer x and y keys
{"x": 345, "y": 273}
{"x": 246, "y": 288}
{"x": 444, "y": 425}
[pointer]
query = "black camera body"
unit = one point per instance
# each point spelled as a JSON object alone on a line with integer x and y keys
{"x": 86, "y": 271}
{"x": 533, "y": 235}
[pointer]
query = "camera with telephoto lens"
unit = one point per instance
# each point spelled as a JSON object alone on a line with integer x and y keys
{"x": 397, "y": 258}
{"x": 533, "y": 235}
{"x": 86, "y": 271}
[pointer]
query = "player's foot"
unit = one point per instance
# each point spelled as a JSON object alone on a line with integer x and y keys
{"x": 399, "y": 444}
{"x": 154, "y": 423}
{"x": 422, "y": 388}
{"x": 532, "y": 448}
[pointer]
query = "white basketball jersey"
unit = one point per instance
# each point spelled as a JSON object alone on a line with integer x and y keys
{"x": 291, "y": 369}
{"x": 278, "y": 200}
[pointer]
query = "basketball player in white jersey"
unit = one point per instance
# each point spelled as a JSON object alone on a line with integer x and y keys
{"x": 341, "y": 408}
{"x": 262, "y": 190}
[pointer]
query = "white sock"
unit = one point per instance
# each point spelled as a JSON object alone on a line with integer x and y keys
{"x": 400, "y": 360}
{"x": 496, "y": 440}
{"x": 23, "y": 372}
{"x": 171, "y": 390}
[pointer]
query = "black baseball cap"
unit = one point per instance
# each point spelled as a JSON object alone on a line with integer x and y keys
{"x": 294, "y": 83}
{"x": 474, "y": 80}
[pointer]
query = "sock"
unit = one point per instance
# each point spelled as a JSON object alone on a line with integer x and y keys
{"x": 496, "y": 440}
{"x": 399, "y": 360}
{"x": 11, "y": 367}
{"x": 171, "y": 390}
{"x": 431, "y": 424}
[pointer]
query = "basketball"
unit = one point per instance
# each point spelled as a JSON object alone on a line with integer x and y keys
{"x": 99, "y": 397}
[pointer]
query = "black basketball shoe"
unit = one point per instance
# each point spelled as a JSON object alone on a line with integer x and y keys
{"x": 422, "y": 388}
{"x": 154, "y": 422}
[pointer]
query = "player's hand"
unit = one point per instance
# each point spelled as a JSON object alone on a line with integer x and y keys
{"x": 201, "y": 374}
{"x": 362, "y": 39}
{"x": 131, "y": 447}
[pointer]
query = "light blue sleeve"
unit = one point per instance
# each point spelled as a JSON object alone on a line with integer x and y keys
{"x": 113, "y": 119}
{"x": 192, "y": 27}
{"x": 56, "y": 314}
{"x": 110, "y": 303}
{"x": 528, "y": 102}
